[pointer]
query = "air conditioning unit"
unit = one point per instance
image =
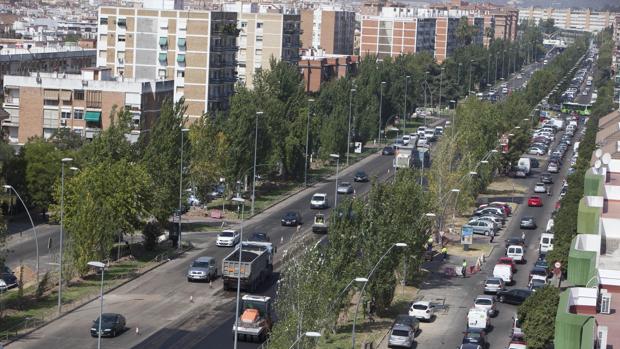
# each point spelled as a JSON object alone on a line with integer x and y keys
{"x": 605, "y": 302}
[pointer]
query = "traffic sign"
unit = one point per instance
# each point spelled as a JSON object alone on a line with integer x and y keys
{"x": 557, "y": 265}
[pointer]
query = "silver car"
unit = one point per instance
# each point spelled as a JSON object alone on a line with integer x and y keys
{"x": 403, "y": 332}
{"x": 493, "y": 285}
{"x": 481, "y": 227}
{"x": 202, "y": 269}
{"x": 345, "y": 188}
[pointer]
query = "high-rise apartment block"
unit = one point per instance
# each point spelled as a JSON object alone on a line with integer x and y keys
{"x": 400, "y": 30}
{"x": 194, "y": 48}
{"x": 41, "y": 103}
{"x": 264, "y": 34}
{"x": 567, "y": 18}
{"x": 329, "y": 29}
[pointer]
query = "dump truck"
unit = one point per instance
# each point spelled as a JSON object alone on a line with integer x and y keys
{"x": 320, "y": 224}
{"x": 403, "y": 158}
{"x": 255, "y": 267}
{"x": 254, "y": 320}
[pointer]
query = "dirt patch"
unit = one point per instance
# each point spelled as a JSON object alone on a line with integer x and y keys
{"x": 505, "y": 186}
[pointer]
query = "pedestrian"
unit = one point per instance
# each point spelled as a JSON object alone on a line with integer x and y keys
{"x": 523, "y": 236}
{"x": 444, "y": 253}
{"x": 492, "y": 237}
{"x": 464, "y": 268}
{"x": 548, "y": 191}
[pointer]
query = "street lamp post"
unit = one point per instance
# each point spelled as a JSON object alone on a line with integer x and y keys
{"x": 405, "y": 111}
{"x": 307, "y": 334}
{"x": 183, "y": 130}
{"x": 241, "y": 201}
{"x": 380, "y": 109}
{"x": 337, "y": 157}
{"x": 307, "y": 143}
{"x": 357, "y": 306}
{"x": 258, "y": 113}
{"x": 62, "y": 209}
{"x": 100, "y": 266}
{"x": 34, "y": 229}
{"x": 349, "y": 129}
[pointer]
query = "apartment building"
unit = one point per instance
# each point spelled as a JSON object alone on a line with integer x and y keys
{"x": 567, "y": 18}
{"x": 318, "y": 67}
{"x": 265, "y": 33}
{"x": 41, "y": 103}
{"x": 408, "y": 30}
{"x": 196, "y": 49}
{"x": 330, "y": 29}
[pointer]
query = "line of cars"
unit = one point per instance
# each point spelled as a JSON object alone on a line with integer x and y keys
{"x": 488, "y": 219}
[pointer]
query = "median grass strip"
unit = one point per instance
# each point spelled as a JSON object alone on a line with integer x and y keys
{"x": 29, "y": 307}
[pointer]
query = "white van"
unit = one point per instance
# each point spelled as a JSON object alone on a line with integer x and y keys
{"x": 517, "y": 253}
{"x": 504, "y": 272}
{"x": 546, "y": 242}
{"x": 478, "y": 318}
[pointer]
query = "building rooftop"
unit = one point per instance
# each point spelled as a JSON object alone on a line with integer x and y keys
{"x": 37, "y": 50}
{"x": 610, "y": 254}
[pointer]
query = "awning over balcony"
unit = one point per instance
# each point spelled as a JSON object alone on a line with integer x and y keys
{"x": 92, "y": 116}
{"x": 181, "y": 42}
{"x": 163, "y": 57}
{"x": 181, "y": 58}
{"x": 163, "y": 41}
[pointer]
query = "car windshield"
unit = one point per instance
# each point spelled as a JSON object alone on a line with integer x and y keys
{"x": 400, "y": 333}
{"x": 493, "y": 281}
{"x": 317, "y": 197}
{"x": 227, "y": 234}
{"x": 258, "y": 237}
{"x": 345, "y": 184}
{"x": 420, "y": 307}
{"x": 484, "y": 301}
{"x": 539, "y": 271}
{"x": 361, "y": 174}
{"x": 107, "y": 318}
{"x": 473, "y": 335}
{"x": 199, "y": 264}
{"x": 289, "y": 215}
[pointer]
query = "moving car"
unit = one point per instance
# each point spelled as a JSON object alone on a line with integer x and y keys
{"x": 553, "y": 167}
{"x": 227, "y": 238}
{"x": 404, "y": 329}
{"x": 259, "y": 237}
{"x": 493, "y": 285}
{"x": 540, "y": 188}
{"x": 539, "y": 273}
{"x": 527, "y": 222}
{"x": 475, "y": 336}
{"x": 319, "y": 200}
{"x": 345, "y": 188}
{"x": 535, "y": 201}
{"x": 291, "y": 219}
{"x": 360, "y": 176}
{"x": 112, "y": 325}
{"x": 202, "y": 269}
{"x": 7, "y": 278}
{"x": 536, "y": 284}
{"x": 514, "y": 296}
{"x": 503, "y": 272}
{"x": 508, "y": 261}
{"x": 422, "y": 310}
{"x": 517, "y": 253}
{"x": 515, "y": 241}
{"x": 387, "y": 151}
{"x": 546, "y": 178}
{"x": 487, "y": 303}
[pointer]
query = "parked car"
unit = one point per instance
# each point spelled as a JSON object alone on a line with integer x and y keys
{"x": 489, "y": 210}
{"x": 111, "y": 325}
{"x": 360, "y": 176}
{"x": 345, "y": 188}
{"x": 540, "y": 188}
{"x": 387, "y": 151}
{"x": 476, "y": 336}
{"x": 7, "y": 278}
{"x": 481, "y": 227}
{"x": 498, "y": 222}
{"x": 534, "y": 163}
{"x": 514, "y": 296}
{"x": 202, "y": 269}
{"x": 535, "y": 201}
{"x": 422, "y": 310}
{"x": 493, "y": 285}
{"x": 319, "y": 200}
{"x": 291, "y": 219}
{"x": 227, "y": 238}
{"x": 487, "y": 303}
{"x": 403, "y": 332}
{"x": 527, "y": 222}
{"x": 546, "y": 178}
{"x": 539, "y": 273}
{"x": 217, "y": 192}
{"x": 553, "y": 167}
{"x": 536, "y": 151}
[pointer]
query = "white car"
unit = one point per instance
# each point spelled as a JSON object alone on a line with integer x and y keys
{"x": 422, "y": 310}
{"x": 535, "y": 151}
{"x": 487, "y": 303}
{"x": 540, "y": 188}
{"x": 227, "y": 238}
{"x": 319, "y": 200}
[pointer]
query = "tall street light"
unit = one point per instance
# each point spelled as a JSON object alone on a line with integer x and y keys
{"x": 405, "y": 111}
{"x": 34, "y": 229}
{"x": 100, "y": 266}
{"x": 241, "y": 202}
{"x": 357, "y": 306}
{"x": 307, "y": 334}
{"x": 380, "y": 109}
{"x": 307, "y": 143}
{"x": 62, "y": 213}
{"x": 258, "y": 113}
{"x": 337, "y": 157}
{"x": 351, "y": 92}
{"x": 440, "y": 86}
{"x": 183, "y": 130}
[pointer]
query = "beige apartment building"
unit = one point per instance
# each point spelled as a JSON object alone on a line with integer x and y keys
{"x": 41, "y": 103}
{"x": 329, "y": 29}
{"x": 567, "y": 18}
{"x": 196, "y": 49}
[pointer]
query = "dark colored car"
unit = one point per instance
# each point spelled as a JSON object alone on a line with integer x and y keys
{"x": 514, "y": 296}
{"x": 217, "y": 192}
{"x": 535, "y": 163}
{"x": 291, "y": 219}
{"x": 528, "y": 222}
{"x": 259, "y": 237}
{"x": 475, "y": 336}
{"x": 541, "y": 263}
{"x": 546, "y": 178}
{"x": 387, "y": 151}
{"x": 111, "y": 326}
{"x": 360, "y": 176}
{"x": 9, "y": 278}
{"x": 540, "y": 271}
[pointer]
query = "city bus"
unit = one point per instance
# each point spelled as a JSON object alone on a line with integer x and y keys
{"x": 579, "y": 108}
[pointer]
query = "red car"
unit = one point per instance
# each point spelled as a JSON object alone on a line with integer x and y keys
{"x": 508, "y": 261}
{"x": 535, "y": 201}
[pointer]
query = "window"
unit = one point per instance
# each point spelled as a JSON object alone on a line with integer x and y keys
{"x": 121, "y": 38}
{"x": 65, "y": 114}
{"x": 121, "y": 57}
{"x": 78, "y": 114}
{"x": 103, "y": 38}
{"x": 259, "y": 25}
{"x": 161, "y": 73}
{"x": 244, "y": 24}
{"x": 258, "y": 52}
{"x": 78, "y": 95}
{"x": 259, "y": 39}
{"x": 180, "y": 73}
{"x": 50, "y": 102}
{"x": 122, "y": 22}
{"x": 103, "y": 21}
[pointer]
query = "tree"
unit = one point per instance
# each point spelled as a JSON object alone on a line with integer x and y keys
{"x": 65, "y": 139}
{"x": 537, "y": 314}
{"x": 160, "y": 156}
{"x": 42, "y": 161}
{"x": 209, "y": 155}
{"x": 111, "y": 144}
{"x": 465, "y": 32}
{"x": 100, "y": 202}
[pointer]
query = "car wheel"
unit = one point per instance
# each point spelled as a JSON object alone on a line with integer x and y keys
{"x": 486, "y": 233}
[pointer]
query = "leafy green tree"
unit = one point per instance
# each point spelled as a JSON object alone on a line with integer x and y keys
{"x": 64, "y": 139}
{"x": 537, "y": 314}
{"x": 42, "y": 170}
{"x": 209, "y": 154}
{"x": 465, "y": 32}
{"x": 111, "y": 144}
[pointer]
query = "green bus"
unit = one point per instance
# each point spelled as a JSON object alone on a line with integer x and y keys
{"x": 581, "y": 109}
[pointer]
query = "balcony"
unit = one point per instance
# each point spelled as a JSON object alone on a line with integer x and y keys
{"x": 11, "y": 101}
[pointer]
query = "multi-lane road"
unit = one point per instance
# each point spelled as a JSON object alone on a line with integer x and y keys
{"x": 158, "y": 303}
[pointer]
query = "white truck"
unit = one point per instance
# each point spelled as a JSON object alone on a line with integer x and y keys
{"x": 403, "y": 158}
{"x": 525, "y": 165}
{"x": 478, "y": 318}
